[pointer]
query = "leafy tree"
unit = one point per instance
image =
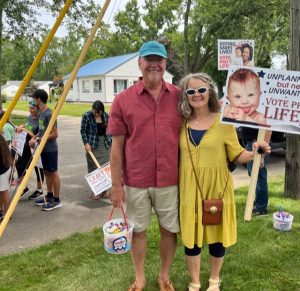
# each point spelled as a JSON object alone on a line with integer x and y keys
{"x": 207, "y": 21}
{"x": 16, "y": 18}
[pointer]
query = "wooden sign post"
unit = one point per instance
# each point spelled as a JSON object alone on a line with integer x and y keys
{"x": 253, "y": 179}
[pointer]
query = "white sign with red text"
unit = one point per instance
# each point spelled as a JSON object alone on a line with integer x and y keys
{"x": 19, "y": 142}
{"x": 235, "y": 52}
{"x": 100, "y": 179}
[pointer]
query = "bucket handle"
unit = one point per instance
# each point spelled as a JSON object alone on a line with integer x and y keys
{"x": 124, "y": 215}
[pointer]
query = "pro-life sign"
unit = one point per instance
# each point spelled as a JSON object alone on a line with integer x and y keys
{"x": 19, "y": 142}
{"x": 262, "y": 98}
{"x": 100, "y": 179}
{"x": 237, "y": 52}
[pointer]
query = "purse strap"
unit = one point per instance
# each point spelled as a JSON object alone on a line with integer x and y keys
{"x": 197, "y": 181}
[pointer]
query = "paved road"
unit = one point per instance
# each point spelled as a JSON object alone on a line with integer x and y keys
{"x": 31, "y": 227}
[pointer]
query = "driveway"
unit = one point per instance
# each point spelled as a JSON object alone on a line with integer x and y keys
{"x": 30, "y": 227}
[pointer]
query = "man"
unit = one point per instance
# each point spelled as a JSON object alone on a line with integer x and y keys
{"x": 144, "y": 124}
{"x": 249, "y": 136}
{"x": 49, "y": 155}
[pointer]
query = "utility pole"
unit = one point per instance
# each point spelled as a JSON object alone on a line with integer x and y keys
{"x": 292, "y": 160}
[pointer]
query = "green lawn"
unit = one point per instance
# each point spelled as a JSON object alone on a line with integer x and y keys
{"x": 262, "y": 260}
{"x": 70, "y": 109}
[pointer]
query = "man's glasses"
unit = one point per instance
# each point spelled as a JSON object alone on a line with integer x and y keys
{"x": 192, "y": 92}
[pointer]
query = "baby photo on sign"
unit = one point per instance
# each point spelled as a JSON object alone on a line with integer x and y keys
{"x": 260, "y": 98}
{"x": 235, "y": 52}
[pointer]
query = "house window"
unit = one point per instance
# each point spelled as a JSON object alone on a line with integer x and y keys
{"x": 97, "y": 86}
{"x": 85, "y": 86}
{"x": 119, "y": 86}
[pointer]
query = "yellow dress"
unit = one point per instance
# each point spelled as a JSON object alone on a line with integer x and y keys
{"x": 210, "y": 160}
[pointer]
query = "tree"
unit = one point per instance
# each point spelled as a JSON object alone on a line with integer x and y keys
{"x": 292, "y": 161}
{"x": 16, "y": 18}
{"x": 207, "y": 21}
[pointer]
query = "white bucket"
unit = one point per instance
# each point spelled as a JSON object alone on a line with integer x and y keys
{"x": 118, "y": 234}
{"x": 282, "y": 221}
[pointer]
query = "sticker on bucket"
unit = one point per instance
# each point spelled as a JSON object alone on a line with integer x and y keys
{"x": 118, "y": 234}
{"x": 282, "y": 220}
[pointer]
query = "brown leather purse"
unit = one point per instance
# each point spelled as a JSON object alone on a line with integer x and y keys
{"x": 212, "y": 209}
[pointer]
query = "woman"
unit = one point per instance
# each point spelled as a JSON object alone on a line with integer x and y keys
{"x": 5, "y": 164}
{"x": 31, "y": 127}
{"x": 8, "y": 129}
{"x": 95, "y": 139}
{"x": 206, "y": 147}
{"x": 247, "y": 55}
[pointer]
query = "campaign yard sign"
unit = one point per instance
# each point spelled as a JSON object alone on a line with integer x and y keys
{"x": 100, "y": 179}
{"x": 262, "y": 98}
{"x": 19, "y": 142}
{"x": 235, "y": 52}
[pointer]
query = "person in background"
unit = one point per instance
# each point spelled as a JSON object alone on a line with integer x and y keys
{"x": 8, "y": 129}
{"x": 144, "y": 124}
{"x": 5, "y": 164}
{"x": 31, "y": 128}
{"x": 206, "y": 145}
{"x": 249, "y": 136}
{"x": 94, "y": 136}
{"x": 49, "y": 155}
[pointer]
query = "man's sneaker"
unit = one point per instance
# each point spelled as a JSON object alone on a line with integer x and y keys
{"x": 261, "y": 212}
{"x": 41, "y": 201}
{"x": 25, "y": 191}
{"x": 52, "y": 205}
{"x": 36, "y": 194}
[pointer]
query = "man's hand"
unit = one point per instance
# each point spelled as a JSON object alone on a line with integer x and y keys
{"x": 117, "y": 196}
{"x": 87, "y": 147}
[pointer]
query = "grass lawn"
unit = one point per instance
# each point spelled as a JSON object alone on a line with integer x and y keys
{"x": 70, "y": 109}
{"x": 262, "y": 260}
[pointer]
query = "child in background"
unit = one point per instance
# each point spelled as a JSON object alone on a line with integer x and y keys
{"x": 5, "y": 164}
{"x": 243, "y": 93}
{"x": 31, "y": 127}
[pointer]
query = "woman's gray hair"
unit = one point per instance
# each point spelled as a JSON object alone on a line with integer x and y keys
{"x": 213, "y": 103}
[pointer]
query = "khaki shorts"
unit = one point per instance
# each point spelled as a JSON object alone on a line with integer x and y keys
{"x": 165, "y": 202}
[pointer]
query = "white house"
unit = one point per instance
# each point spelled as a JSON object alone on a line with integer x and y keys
{"x": 103, "y": 79}
{"x": 11, "y": 87}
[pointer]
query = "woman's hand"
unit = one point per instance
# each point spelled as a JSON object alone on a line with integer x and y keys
{"x": 87, "y": 147}
{"x": 262, "y": 148}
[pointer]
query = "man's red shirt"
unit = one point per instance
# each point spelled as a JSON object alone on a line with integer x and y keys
{"x": 151, "y": 132}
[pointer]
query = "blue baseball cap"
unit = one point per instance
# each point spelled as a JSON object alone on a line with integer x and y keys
{"x": 153, "y": 48}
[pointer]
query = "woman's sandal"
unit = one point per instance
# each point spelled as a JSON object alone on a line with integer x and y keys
{"x": 194, "y": 286}
{"x": 95, "y": 197}
{"x": 214, "y": 284}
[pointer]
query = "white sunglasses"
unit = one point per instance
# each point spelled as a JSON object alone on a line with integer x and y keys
{"x": 192, "y": 91}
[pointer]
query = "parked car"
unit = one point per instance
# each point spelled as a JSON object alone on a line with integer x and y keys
{"x": 278, "y": 139}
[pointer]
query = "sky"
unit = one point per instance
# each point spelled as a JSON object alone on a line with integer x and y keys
{"x": 113, "y": 8}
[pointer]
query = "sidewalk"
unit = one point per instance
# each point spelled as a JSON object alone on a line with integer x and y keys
{"x": 31, "y": 227}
